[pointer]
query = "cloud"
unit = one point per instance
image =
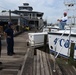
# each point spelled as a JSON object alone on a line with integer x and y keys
{"x": 52, "y": 8}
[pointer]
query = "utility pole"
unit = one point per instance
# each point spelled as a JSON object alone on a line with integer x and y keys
{"x": 9, "y": 15}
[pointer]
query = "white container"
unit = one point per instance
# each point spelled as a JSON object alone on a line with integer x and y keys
{"x": 36, "y": 39}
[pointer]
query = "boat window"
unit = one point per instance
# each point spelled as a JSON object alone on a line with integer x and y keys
{"x": 73, "y": 30}
{"x": 51, "y": 47}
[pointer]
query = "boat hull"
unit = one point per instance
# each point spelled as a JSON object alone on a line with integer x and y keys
{"x": 62, "y": 44}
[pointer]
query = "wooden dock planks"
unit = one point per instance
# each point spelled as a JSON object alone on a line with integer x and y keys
{"x": 38, "y": 63}
{"x": 42, "y": 66}
{"x": 48, "y": 62}
{"x": 35, "y": 65}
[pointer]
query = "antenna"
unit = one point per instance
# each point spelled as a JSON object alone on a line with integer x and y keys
{"x": 69, "y": 3}
{"x": 70, "y": 7}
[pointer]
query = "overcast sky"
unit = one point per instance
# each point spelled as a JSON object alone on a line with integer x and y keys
{"x": 52, "y": 9}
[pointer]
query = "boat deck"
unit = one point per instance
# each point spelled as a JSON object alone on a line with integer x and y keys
{"x": 24, "y": 62}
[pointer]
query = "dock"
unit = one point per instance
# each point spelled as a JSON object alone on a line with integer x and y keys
{"x": 24, "y": 62}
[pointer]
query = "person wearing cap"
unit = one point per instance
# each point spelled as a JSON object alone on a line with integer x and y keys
{"x": 0, "y": 48}
{"x": 63, "y": 21}
{"x": 10, "y": 39}
{"x": 0, "y": 54}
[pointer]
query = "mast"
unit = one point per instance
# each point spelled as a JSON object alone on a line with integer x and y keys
{"x": 71, "y": 8}
{"x": 69, "y": 3}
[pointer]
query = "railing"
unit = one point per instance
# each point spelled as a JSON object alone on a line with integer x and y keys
{"x": 56, "y": 55}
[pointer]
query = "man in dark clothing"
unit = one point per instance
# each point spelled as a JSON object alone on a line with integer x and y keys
{"x": 10, "y": 39}
{"x": 0, "y": 48}
{"x": 0, "y": 54}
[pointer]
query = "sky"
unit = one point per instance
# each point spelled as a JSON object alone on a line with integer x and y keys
{"x": 52, "y": 9}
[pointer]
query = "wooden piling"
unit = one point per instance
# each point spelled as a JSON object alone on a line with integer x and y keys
{"x": 45, "y": 42}
{"x": 35, "y": 52}
{"x": 71, "y": 58}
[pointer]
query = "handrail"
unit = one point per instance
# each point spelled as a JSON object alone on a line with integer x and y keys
{"x": 62, "y": 47}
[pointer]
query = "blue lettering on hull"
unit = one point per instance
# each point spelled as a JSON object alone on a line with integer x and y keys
{"x": 63, "y": 42}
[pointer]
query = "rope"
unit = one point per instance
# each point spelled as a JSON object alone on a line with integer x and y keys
{"x": 62, "y": 46}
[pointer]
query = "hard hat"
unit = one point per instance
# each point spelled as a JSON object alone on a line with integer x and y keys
{"x": 65, "y": 13}
{"x": 10, "y": 24}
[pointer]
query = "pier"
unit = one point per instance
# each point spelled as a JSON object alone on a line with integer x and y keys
{"x": 24, "y": 62}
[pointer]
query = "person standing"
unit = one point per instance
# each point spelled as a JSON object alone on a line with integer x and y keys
{"x": 0, "y": 54}
{"x": 10, "y": 39}
{"x": 63, "y": 21}
{"x": 0, "y": 51}
{"x": 0, "y": 48}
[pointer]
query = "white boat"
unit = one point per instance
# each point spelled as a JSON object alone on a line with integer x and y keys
{"x": 59, "y": 42}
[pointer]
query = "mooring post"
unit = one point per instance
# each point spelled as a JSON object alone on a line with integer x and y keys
{"x": 0, "y": 46}
{"x": 71, "y": 58}
{"x": 35, "y": 52}
{"x": 45, "y": 42}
